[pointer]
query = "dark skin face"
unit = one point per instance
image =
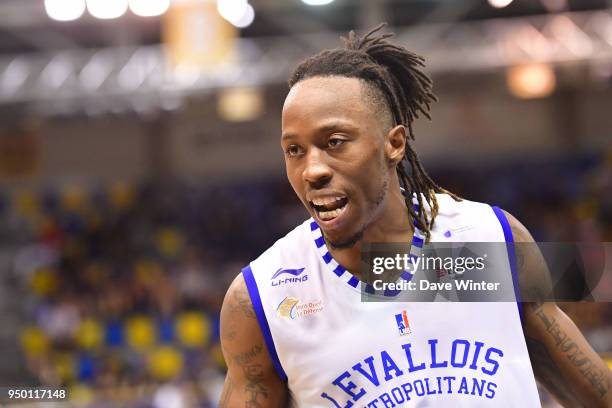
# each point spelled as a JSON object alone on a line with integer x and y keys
{"x": 339, "y": 146}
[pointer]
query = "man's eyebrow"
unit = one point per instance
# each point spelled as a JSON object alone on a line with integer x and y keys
{"x": 336, "y": 125}
{"x": 286, "y": 136}
{"x": 325, "y": 128}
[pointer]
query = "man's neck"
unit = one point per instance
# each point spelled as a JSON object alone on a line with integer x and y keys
{"x": 392, "y": 226}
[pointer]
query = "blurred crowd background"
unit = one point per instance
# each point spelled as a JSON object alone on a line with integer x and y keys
{"x": 140, "y": 165}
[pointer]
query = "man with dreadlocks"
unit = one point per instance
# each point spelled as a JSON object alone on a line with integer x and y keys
{"x": 293, "y": 327}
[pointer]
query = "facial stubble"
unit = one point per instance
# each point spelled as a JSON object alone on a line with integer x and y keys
{"x": 358, "y": 236}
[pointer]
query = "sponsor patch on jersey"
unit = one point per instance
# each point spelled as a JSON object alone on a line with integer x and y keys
{"x": 462, "y": 228}
{"x": 293, "y": 308}
{"x": 403, "y": 325}
{"x": 284, "y": 276}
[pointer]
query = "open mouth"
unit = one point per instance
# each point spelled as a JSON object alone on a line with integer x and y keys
{"x": 328, "y": 208}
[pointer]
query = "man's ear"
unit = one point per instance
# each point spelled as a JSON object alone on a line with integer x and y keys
{"x": 395, "y": 144}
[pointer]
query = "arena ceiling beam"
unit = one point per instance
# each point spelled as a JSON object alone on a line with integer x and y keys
{"x": 74, "y": 79}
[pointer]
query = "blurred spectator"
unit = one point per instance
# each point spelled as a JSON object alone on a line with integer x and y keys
{"x": 124, "y": 284}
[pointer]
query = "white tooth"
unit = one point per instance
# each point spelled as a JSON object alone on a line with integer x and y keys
{"x": 328, "y": 215}
{"x": 326, "y": 200}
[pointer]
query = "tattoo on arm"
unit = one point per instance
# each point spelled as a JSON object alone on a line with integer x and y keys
{"x": 255, "y": 390}
{"x": 250, "y": 380}
{"x": 597, "y": 378}
{"x": 247, "y": 356}
{"x": 255, "y": 386}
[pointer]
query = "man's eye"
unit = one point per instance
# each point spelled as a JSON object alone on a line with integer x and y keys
{"x": 293, "y": 150}
{"x": 335, "y": 142}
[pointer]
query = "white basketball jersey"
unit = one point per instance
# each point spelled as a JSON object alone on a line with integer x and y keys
{"x": 334, "y": 350}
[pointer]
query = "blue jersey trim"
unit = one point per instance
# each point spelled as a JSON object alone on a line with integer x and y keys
{"x": 339, "y": 270}
{"x": 503, "y": 220}
{"x": 251, "y": 285}
{"x": 320, "y": 241}
{"x": 353, "y": 281}
{"x": 418, "y": 240}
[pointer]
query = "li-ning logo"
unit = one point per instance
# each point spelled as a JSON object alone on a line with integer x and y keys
{"x": 293, "y": 278}
{"x": 403, "y": 325}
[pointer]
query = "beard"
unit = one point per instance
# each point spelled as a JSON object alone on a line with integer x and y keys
{"x": 358, "y": 236}
{"x": 349, "y": 243}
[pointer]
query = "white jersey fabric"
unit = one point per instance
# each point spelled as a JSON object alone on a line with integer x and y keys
{"x": 334, "y": 350}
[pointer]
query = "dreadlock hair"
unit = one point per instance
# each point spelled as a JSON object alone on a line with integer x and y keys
{"x": 396, "y": 73}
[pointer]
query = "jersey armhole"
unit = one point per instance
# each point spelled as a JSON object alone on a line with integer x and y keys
{"x": 251, "y": 285}
{"x": 503, "y": 220}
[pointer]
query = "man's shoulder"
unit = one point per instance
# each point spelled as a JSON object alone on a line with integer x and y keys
{"x": 447, "y": 205}
{"x": 293, "y": 247}
{"x": 466, "y": 220}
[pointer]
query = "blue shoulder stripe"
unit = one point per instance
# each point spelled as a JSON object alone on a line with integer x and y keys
{"x": 503, "y": 220}
{"x": 251, "y": 285}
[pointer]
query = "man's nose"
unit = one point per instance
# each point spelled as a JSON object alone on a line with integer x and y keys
{"x": 317, "y": 172}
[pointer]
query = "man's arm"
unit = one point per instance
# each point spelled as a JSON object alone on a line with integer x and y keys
{"x": 251, "y": 379}
{"x": 562, "y": 359}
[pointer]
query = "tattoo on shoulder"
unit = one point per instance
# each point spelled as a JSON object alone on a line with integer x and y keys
{"x": 242, "y": 303}
{"x": 518, "y": 238}
{"x": 229, "y": 333}
{"x": 520, "y": 257}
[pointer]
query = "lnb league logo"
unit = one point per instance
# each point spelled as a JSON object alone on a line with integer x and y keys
{"x": 403, "y": 325}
